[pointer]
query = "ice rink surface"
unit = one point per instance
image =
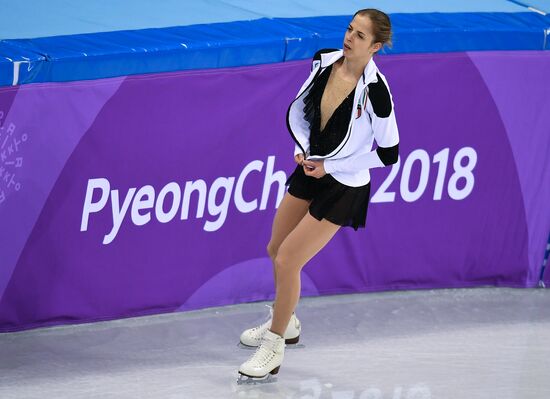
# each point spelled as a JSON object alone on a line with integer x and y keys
{"x": 447, "y": 343}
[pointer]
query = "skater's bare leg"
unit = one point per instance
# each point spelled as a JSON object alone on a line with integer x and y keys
{"x": 302, "y": 244}
{"x": 289, "y": 213}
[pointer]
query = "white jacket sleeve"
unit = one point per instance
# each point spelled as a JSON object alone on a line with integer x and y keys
{"x": 297, "y": 149}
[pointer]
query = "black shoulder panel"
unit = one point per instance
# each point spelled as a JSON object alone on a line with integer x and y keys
{"x": 317, "y": 55}
{"x": 380, "y": 98}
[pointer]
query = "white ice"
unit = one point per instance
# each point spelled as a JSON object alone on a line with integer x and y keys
{"x": 447, "y": 343}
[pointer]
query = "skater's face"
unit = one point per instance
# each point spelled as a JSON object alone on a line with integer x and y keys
{"x": 359, "y": 41}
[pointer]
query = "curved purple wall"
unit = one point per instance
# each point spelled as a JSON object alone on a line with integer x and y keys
{"x": 105, "y": 223}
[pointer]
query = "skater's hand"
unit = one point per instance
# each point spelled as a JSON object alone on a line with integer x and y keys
{"x": 314, "y": 168}
{"x": 299, "y": 158}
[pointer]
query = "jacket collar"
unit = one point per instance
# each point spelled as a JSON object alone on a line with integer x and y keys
{"x": 369, "y": 73}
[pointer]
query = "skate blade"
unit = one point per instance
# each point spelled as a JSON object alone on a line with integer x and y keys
{"x": 287, "y": 346}
{"x": 246, "y": 380}
{"x": 294, "y": 346}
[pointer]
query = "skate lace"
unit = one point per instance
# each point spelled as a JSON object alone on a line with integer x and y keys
{"x": 263, "y": 355}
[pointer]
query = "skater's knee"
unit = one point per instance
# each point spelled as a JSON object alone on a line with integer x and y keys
{"x": 272, "y": 250}
{"x": 284, "y": 261}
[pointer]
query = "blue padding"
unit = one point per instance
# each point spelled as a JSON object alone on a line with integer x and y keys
{"x": 101, "y": 55}
{"x": 434, "y": 32}
{"x": 27, "y": 63}
{"x": 6, "y": 64}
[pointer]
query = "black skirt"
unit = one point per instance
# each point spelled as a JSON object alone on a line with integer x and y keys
{"x": 338, "y": 203}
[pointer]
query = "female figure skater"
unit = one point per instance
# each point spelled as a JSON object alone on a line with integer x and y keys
{"x": 343, "y": 106}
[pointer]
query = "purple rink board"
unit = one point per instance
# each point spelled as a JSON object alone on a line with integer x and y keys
{"x": 156, "y": 193}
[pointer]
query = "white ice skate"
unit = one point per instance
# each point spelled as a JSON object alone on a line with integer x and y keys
{"x": 265, "y": 362}
{"x": 253, "y": 336}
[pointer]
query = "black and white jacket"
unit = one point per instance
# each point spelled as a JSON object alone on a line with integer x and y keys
{"x": 372, "y": 118}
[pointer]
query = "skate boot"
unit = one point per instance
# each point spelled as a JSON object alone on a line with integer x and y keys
{"x": 265, "y": 362}
{"x": 253, "y": 336}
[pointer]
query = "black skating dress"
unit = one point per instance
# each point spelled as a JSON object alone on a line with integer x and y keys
{"x": 332, "y": 200}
